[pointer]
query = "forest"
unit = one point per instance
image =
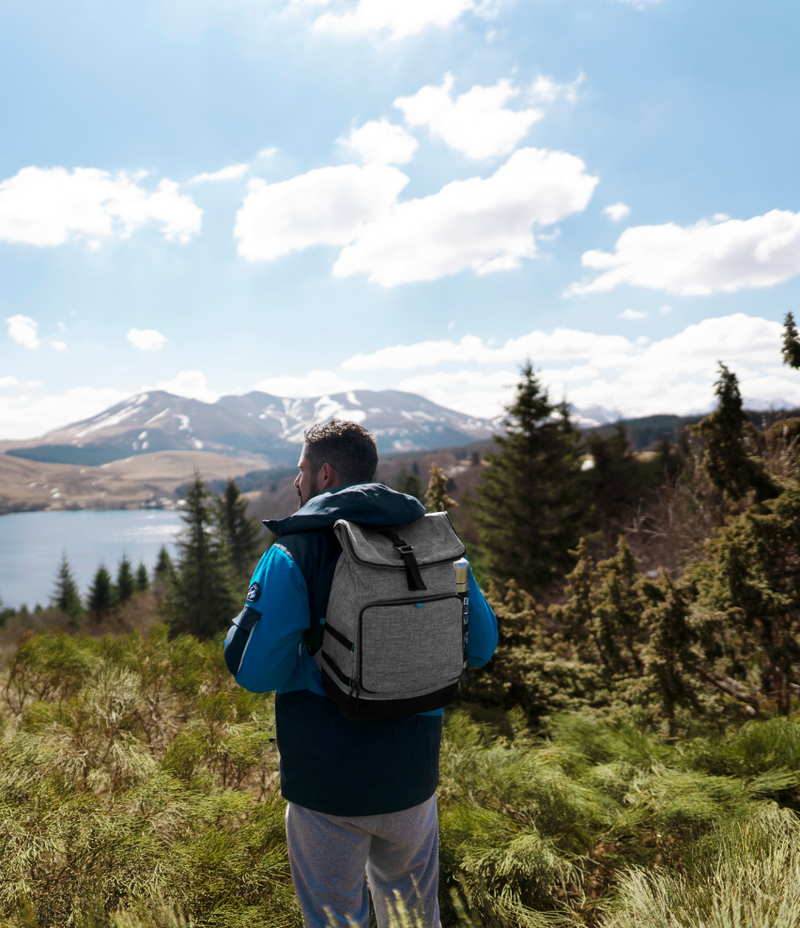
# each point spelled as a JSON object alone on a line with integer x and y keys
{"x": 630, "y": 758}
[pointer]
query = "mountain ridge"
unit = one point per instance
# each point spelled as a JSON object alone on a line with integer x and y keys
{"x": 255, "y": 424}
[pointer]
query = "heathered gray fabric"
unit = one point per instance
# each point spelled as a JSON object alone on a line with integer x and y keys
{"x": 330, "y": 856}
{"x": 433, "y": 538}
{"x": 410, "y": 642}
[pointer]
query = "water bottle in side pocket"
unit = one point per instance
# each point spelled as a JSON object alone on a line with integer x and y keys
{"x": 462, "y": 588}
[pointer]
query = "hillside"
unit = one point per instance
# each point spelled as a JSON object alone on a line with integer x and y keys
{"x": 149, "y": 479}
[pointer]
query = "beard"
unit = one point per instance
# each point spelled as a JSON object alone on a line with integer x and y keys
{"x": 313, "y": 490}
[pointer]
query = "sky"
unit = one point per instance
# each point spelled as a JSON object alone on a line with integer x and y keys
{"x": 310, "y": 196}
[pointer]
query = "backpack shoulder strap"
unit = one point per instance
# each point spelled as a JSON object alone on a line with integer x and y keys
{"x": 316, "y": 553}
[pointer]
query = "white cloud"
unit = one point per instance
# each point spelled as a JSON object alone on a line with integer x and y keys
{"x": 58, "y": 346}
{"x": 476, "y": 123}
{"x": 665, "y": 310}
{"x": 401, "y": 18}
{"x": 146, "y": 339}
{"x": 24, "y": 331}
{"x": 677, "y": 374}
{"x": 50, "y": 206}
{"x": 22, "y": 417}
{"x": 229, "y": 173}
{"x": 560, "y": 345}
{"x": 672, "y": 375}
{"x": 380, "y": 142}
{"x": 326, "y": 206}
{"x": 547, "y": 90}
{"x": 267, "y": 152}
{"x": 632, "y": 314}
{"x": 9, "y": 381}
{"x": 616, "y": 212}
{"x": 191, "y": 384}
{"x": 475, "y": 393}
{"x": 485, "y": 225}
{"x": 315, "y": 383}
{"x": 701, "y": 259}
{"x": 480, "y": 224}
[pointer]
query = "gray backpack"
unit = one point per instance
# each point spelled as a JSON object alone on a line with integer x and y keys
{"x": 394, "y": 640}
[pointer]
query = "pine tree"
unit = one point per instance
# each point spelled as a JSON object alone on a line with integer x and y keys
{"x": 616, "y": 482}
{"x": 617, "y": 613}
{"x": 236, "y": 530}
{"x": 668, "y": 655}
{"x": 575, "y": 617}
{"x": 530, "y": 509}
{"x": 748, "y": 605}
{"x": 65, "y": 594}
{"x": 436, "y": 498}
{"x": 100, "y": 598}
{"x": 791, "y": 342}
{"x": 125, "y": 581}
{"x": 410, "y": 484}
{"x": 203, "y": 596}
{"x": 726, "y": 432}
{"x": 164, "y": 570}
{"x": 4, "y": 613}
{"x": 142, "y": 579}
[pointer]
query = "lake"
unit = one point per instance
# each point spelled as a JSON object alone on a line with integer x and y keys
{"x": 31, "y": 545}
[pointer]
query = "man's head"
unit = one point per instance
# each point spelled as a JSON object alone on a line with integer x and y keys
{"x": 335, "y": 454}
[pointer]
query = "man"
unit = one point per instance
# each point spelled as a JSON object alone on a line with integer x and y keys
{"x": 361, "y": 794}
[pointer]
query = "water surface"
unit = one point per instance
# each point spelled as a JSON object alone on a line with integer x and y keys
{"x": 31, "y": 545}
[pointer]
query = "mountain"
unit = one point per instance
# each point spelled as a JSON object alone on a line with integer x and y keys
{"x": 256, "y": 424}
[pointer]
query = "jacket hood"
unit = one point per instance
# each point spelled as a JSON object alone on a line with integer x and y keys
{"x": 370, "y": 504}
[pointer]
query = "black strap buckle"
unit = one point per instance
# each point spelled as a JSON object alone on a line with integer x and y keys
{"x": 413, "y": 576}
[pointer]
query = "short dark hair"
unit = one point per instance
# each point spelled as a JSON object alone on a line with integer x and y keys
{"x": 348, "y": 447}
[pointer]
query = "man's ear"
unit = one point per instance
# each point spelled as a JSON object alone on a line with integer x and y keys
{"x": 327, "y": 477}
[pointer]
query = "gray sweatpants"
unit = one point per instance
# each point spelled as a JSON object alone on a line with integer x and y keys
{"x": 331, "y": 855}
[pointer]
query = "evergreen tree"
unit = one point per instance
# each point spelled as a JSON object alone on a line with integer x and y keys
{"x": 100, "y": 598}
{"x": 164, "y": 571}
{"x": 203, "y": 596}
{"x": 668, "y": 656}
{"x": 125, "y": 581}
{"x": 142, "y": 579}
{"x": 575, "y": 617}
{"x": 747, "y": 610}
{"x": 410, "y": 484}
{"x": 65, "y": 595}
{"x": 4, "y": 613}
{"x": 726, "y": 431}
{"x": 236, "y": 530}
{"x": 791, "y": 342}
{"x": 436, "y": 498}
{"x": 529, "y": 508}
{"x": 617, "y": 481}
{"x": 617, "y": 613}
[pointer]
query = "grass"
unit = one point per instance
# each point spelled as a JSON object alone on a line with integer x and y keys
{"x": 138, "y": 789}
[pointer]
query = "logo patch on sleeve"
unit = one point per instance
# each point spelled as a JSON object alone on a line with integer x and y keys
{"x": 253, "y": 593}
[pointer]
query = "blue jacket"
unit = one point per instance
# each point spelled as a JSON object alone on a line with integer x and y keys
{"x": 329, "y": 763}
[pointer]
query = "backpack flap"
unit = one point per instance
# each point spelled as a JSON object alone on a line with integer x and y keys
{"x": 432, "y": 538}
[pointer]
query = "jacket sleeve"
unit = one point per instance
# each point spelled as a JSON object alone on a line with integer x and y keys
{"x": 482, "y": 627}
{"x": 263, "y": 644}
